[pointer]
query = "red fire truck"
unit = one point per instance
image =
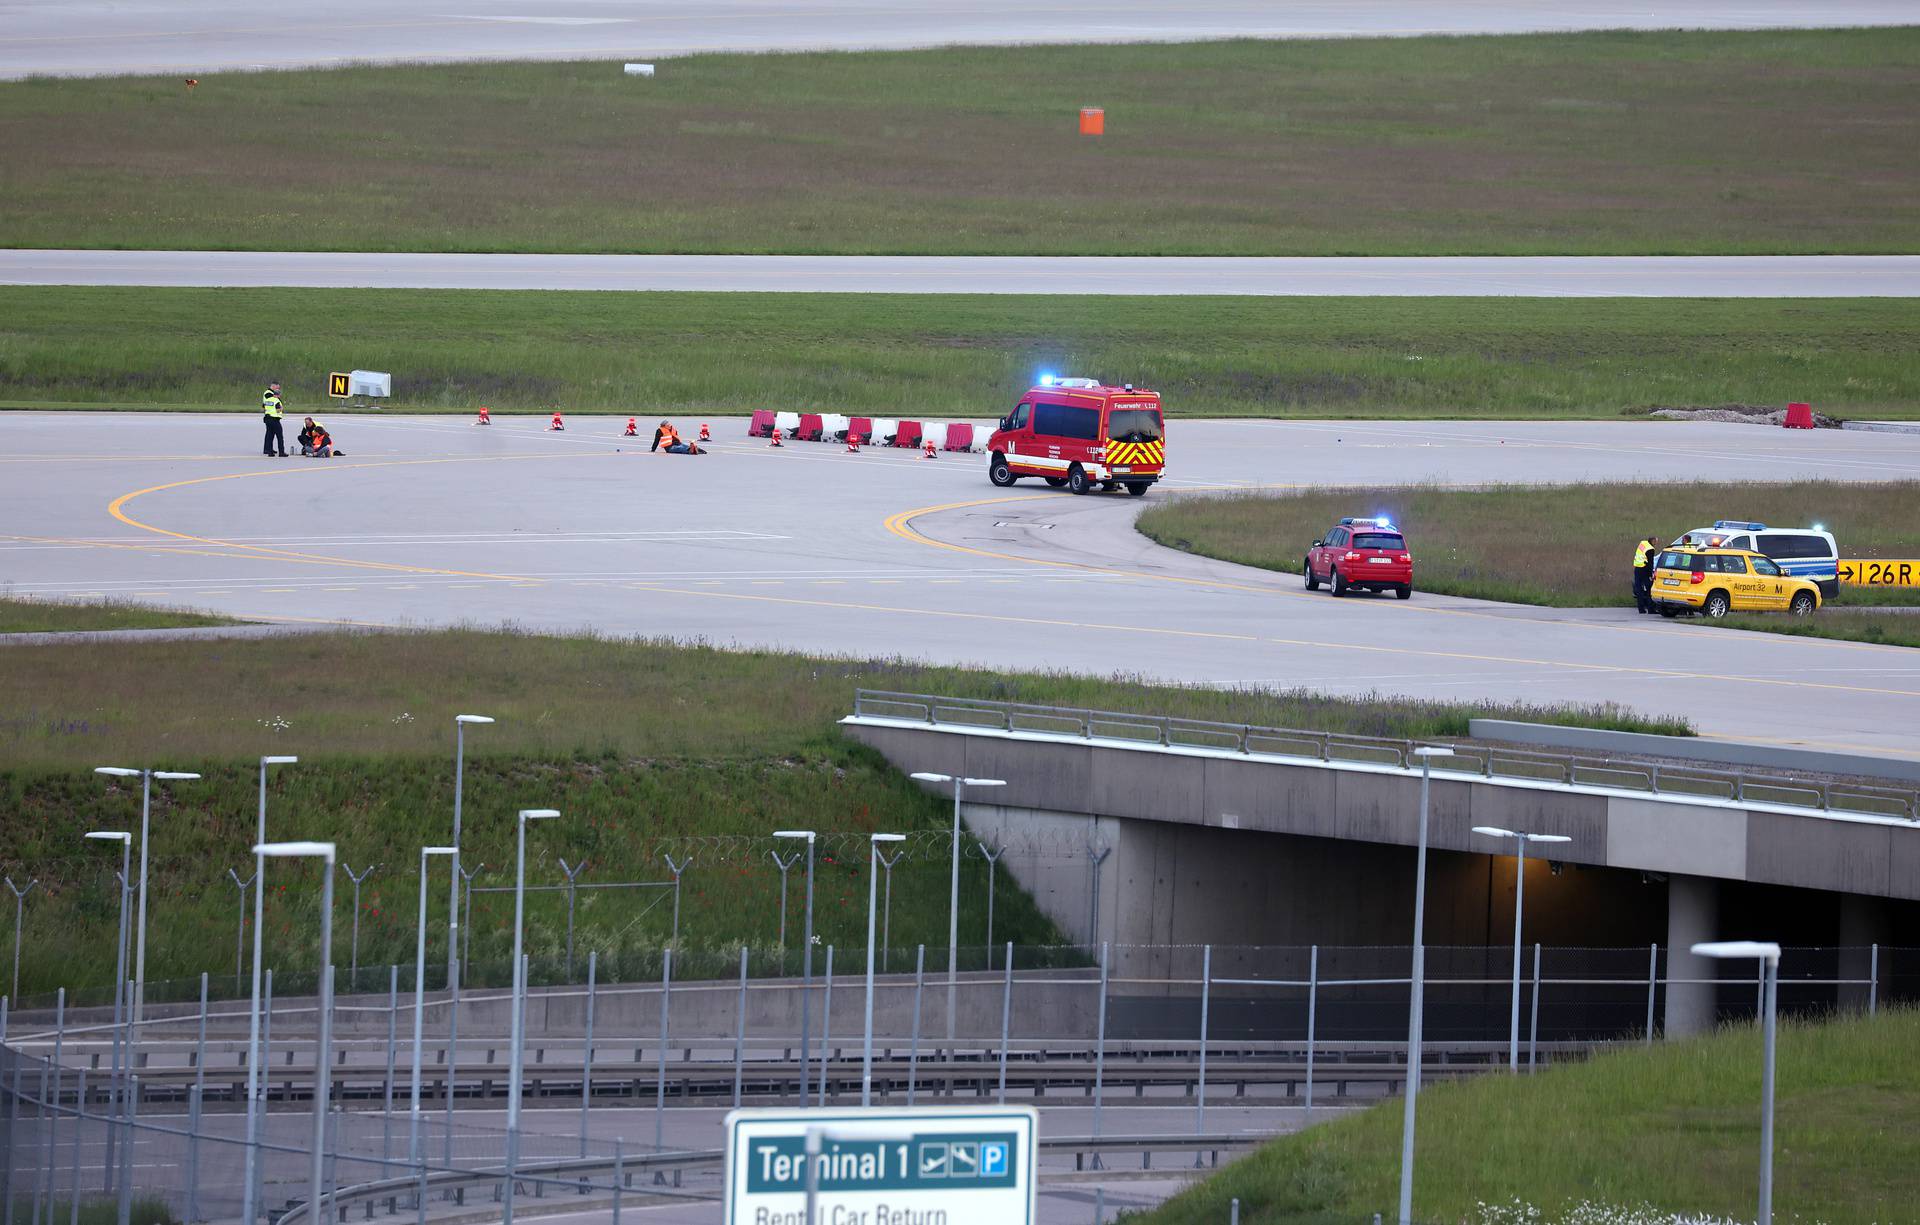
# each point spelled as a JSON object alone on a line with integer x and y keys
{"x": 1081, "y": 434}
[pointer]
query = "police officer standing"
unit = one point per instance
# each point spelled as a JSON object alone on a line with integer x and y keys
{"x": 1643, "y": 559}
{"x": 270, "y": 413}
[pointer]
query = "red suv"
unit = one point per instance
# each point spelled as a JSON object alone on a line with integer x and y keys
{"x": 1361, "y": 554}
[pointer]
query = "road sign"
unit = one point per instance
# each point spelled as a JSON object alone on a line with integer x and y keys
{"x": 1872, "y": 573}
{"x": 337, "y": 385}
{"x": 957, "y": 1166}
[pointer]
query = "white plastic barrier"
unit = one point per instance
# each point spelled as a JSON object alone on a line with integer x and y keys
{"x": 884, "y": 428}
{"x": 832, "y": 427}
{"x": 786, "y": 423}
{"x": 936, "y": 430}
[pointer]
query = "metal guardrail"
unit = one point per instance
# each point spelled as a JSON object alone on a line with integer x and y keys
{"x": 1472, "y": 758}
{"x": 341, "y": 1202}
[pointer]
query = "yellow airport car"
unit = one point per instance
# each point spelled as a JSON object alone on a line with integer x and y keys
{"x": 1715, "y": 582}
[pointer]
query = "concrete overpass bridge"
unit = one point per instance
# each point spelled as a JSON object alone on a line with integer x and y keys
{"x": 1245, "y": 836}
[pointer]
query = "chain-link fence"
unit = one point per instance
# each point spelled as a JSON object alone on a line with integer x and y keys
{"x": 623, "y": 1072}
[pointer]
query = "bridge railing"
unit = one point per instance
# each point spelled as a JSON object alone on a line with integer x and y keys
{"x": 1480, "y": 758}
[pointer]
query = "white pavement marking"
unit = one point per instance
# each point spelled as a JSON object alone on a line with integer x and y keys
{"x": 1706, "y": 276}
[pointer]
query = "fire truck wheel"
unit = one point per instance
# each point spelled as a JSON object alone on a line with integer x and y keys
{"x": 1404, "y": 591}
{"x": 1338, "y": 584}
{"x": 1139, "y": 488}
{"x": 1000, "y": 473}
{"x": 1077, "y": 481}
{"x": 1054, "y": 482}
{"x": 1306, "y": 568}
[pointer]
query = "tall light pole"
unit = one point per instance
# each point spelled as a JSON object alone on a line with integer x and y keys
{"x": 323, "y": 1046}
{"x": 953, "y": 893}
{"x": 1418, "y": 984}
{"x": 1520, "y": 839}
{"x": 866, "y": 1047}
{"x": 806, "y": 961}
{"x": 146, "y": 778}
{"x": 453, "y": 886}
{"x": 255, "y": 1080}
{"x": 420, "y": 1006}
{"x": 1769, "y": 955}
{"x": 119, "y": 960}
{"x": 519, "y": 1000}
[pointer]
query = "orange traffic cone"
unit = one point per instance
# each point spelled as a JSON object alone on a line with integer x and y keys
{"x": 556, "y": 423}
{"x": 633, "y": 428}
{"x": 853, "y": 442}
{"x": 776, "y": 436}
{"x": 485, "y": 418}
{"x": 706, "y": 435}
{"x": 930, "y": 451}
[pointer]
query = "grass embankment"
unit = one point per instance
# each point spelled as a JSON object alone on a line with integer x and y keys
{"x": 958, "y": 355}
{"x": 1489, "y": 543}
{"x": 1675, "y": 1127}
{"x": 19, "y": 616}
{"x": 645, "y": 748}
{"x": 1618, "y": 143}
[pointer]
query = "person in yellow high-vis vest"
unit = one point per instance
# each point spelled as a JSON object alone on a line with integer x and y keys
{"x": 270, "y": 412}
{"x": 1645, "y": 553}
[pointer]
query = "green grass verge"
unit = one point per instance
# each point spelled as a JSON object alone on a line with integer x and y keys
{"x": 55, "y": 616}
{"x": 645, "y": 747}
{"x": 1695, "y": 143}
{"x": 1487, "y": 544}
{"x": 938, "y": 354}
{"x": 1675, "y": 1127}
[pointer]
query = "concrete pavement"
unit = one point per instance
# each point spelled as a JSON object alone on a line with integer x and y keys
{"x": 97, "y": 37}
{"x": 433, "y": 521}
{"x": 1739, "y": 276}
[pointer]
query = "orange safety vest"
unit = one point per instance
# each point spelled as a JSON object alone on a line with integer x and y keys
{"x": 670, "y": 438}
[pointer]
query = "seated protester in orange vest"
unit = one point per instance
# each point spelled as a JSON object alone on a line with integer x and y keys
{"x": 315, "y": 442}
{"x": 669, "y": 437}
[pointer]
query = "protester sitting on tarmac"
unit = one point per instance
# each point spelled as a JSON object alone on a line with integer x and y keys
{"x": 666, "y": 436}
{"x": 315, "y": 442}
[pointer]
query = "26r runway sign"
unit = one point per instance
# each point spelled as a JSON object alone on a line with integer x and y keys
{"x": 1880, "y": 573}
{"x": 955, "y": 1166}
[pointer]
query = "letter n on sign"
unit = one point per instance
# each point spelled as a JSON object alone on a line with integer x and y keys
{"x": 337, "y": 385}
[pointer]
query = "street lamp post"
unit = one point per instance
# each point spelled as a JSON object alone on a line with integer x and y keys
{"x": 519, "y": 1000}
{"x": 119, "y": 967}
{"x": 1521, "y": 839}
{"x": 420, "y": 1006}
{"x": 453, "y": 886}
{"x": 866, "y": 1046}
{"x": 146, "y": 778}
{"x": 1769, "y": 956}
{"x": 256, "y": 1082}
{"x": 323, "y": 1046}
{"x": 960, "y": 783}
{"x": 1418, "y": 986}
{"x": 806, "y": 959}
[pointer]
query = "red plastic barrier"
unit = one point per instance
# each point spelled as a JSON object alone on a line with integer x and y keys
{"x": 1799, "y": 417}
{"x": 810, "y": 428}
{"x": 862, "y": 426}
{"x": 762, "y": 424}
{"x": 960, "y": 436}
{"x": 909, "y": 434}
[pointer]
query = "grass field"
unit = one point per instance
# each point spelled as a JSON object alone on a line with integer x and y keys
{"x": 1889, "y": 628}
{"x": 1675, "y": 1127}
{"x": 646, "y": 748}
{"x": 1783, "y": 142}
{"x": 682, "y": 352}
{"x": 51, "y": 616}
{"x": 1464, "y": 540}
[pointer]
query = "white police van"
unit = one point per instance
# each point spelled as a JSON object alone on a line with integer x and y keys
{"x": 1803, "y": 552}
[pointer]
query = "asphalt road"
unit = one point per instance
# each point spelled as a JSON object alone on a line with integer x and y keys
{"x": 1736, "y": 276}
{"x": 94, "y": 37}
{"x": 430, "y": 521}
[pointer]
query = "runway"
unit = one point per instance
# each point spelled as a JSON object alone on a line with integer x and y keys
{"x": 102, "y": 37}
{"x": 433, "y": 521}
{"x": 1791, "y": 276}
